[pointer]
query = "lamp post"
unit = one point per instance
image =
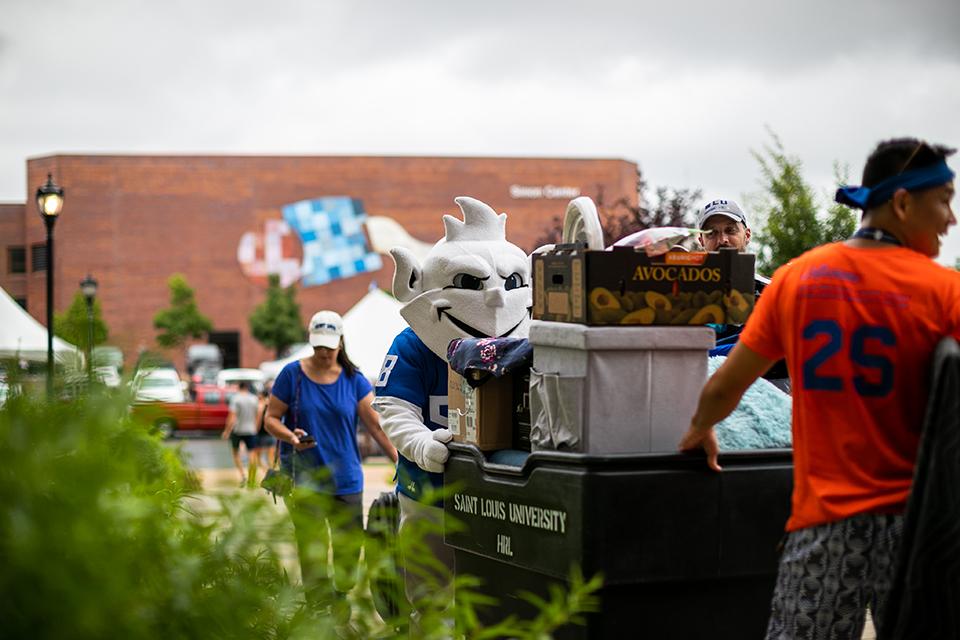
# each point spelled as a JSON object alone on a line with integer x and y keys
{"x": 88, "y": 286}
{"x": 50, "y": 203}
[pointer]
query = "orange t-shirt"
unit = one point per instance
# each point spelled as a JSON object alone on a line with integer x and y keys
{"x": 858, "y": 328}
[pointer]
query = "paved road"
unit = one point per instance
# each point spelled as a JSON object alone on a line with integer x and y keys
{"x": 210, "y": 457}
{"x": 204, "y": 452}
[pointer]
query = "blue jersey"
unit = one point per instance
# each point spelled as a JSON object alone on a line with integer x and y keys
{"x": 413, "y": 373}
{"x": 328, "y": 412}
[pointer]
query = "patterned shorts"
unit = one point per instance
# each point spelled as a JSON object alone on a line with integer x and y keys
{"x": 830, "y": 573}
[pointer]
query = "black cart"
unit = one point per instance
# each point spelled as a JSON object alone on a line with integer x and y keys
{"x": 685, "y": 552}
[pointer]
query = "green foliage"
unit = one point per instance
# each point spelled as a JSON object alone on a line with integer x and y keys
{"x": 182, "y": 319}
{"x": 105, "y": 534}
{"x": 790, "y": 209}
{"x": 73, "y": 325}
{"x": 276, "y": 323}
{"x": 841, "y": 220}
{"x": 671, "y": 207}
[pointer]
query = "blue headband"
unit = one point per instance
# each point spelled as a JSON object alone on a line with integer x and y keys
{"x": 915, "y": 180}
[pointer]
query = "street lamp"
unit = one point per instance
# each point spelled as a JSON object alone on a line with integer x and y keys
{"x": 50, "y": 203}
{"x": 88, "y": 286}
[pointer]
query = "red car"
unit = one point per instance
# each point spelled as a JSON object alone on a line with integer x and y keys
{"x": 207, "y": 413}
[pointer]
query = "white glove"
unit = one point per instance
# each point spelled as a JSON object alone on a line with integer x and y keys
{"x": 403, "y": 424}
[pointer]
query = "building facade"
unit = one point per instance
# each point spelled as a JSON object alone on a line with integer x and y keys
{"x": 225, "y": 222}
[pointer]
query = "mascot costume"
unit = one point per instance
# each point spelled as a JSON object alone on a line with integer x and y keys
{"x": 472, "y": 284}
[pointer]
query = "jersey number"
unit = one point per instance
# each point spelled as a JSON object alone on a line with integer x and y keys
{"x": 388, "y": 363}
{"x": 858, "y": 356}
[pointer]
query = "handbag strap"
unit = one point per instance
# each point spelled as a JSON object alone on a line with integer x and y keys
{"x": 295, "y": 419}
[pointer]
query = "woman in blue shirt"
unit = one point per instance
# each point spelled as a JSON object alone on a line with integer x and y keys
{"x": 314, "y": 407}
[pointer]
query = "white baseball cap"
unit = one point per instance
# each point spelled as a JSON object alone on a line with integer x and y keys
{"x": 326, "y": 328}
{"x": 727, "y": 208}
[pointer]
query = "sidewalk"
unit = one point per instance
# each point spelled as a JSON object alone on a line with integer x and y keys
{"x": 377, "y": 477}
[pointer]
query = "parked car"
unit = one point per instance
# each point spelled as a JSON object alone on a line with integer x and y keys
{"x": 158, "y": 385}
{"x": 207, "y": 413}
{"x": 206, "y": 356}
{"x": 204, "y": 373}
{"x": 230, "y": 378}
{"x": 108, "y": 356}
{"x": 108, "y": 375}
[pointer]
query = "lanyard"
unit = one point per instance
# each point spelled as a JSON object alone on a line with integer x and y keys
{"x": 871, "y": 233}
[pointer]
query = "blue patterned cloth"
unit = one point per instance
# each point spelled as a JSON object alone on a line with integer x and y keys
{"x": 331, "y": 231}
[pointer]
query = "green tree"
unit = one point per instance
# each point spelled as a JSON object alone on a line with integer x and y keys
{"x": 73, "y": 325}
{"x": 276, "y": 323}
{"x": 670, "y": 207}
{"x": 789, "y": 206}
{"x": 182, "y": 319}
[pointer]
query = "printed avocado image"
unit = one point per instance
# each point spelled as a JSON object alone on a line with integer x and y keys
{"x": 738, "y": 306}
{"x": 681, "y": 308}
{"x": 643, "y": 316}
{"x": 658, "y": 301}
{"x": 601, "y": 299}
{"x": 605, "y": 307}
{"x": 712, "y": 313}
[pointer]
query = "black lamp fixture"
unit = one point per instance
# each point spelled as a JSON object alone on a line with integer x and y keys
{"x": 50, "y": 204}
{"x": 88, "y": 287}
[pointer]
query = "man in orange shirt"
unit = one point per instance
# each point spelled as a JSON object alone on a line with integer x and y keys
{"x": 857, "y": 322}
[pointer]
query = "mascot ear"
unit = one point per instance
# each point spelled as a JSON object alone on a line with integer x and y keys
{"x": 407, "y": 279}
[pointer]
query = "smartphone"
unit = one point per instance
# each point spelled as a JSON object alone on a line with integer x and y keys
{"x": 308, "y": 439}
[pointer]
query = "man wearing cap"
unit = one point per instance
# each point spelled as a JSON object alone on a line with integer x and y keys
{"x": 727, "y": 225}
{"x": 857, "y": 322}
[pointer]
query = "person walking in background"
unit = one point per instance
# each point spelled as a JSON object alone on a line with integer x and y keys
{"x": 314, "y": 408}
{"x": 266, "y": 444}
{"x": 857, "y": 322}
{"x": 242, "y": 427}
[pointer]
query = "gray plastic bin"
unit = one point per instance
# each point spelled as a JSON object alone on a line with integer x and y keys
{"x": 606, "y": 390}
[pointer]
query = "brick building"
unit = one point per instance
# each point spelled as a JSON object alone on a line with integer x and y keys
{"x": 132, "y": 221}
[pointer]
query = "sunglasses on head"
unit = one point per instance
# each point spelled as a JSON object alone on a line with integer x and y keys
{"x": 913, "y": 154}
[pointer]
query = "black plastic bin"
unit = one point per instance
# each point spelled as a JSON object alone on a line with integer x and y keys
{"x": 685, "y": 552}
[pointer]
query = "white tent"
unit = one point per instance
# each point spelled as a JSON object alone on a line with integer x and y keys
{"x": 23, "y": 337}
{"x": 368, "y": 329}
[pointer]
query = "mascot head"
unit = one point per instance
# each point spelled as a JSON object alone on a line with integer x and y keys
{"x": 473, "y": 283}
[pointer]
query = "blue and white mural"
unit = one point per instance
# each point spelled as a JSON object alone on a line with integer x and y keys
{"x": 331, "y": 232}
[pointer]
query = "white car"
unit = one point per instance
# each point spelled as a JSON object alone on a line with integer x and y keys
{"x": 158, "y": 385}
{"x": 108, "y": 375}
{"x": 230, "y": 377}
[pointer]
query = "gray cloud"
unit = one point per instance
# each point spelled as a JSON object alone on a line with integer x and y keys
{"x": 685, "y": 89}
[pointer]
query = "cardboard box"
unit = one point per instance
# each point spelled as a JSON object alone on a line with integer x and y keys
{"x": 605, "y": 390}
{"x": 625, "y": 286}
{"x": 482, "y": 416}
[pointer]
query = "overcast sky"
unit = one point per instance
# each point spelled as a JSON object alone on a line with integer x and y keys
{"x": 685, "y": 89}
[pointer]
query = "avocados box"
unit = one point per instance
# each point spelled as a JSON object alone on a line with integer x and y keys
{"x": 625, "y": 286}
{"x": 482, "y": 416}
